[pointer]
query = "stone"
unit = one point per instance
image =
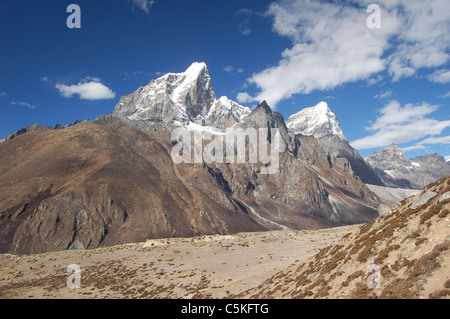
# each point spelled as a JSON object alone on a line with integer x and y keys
{"x": 425, "y": 197}
{"x": 384, "y": 210}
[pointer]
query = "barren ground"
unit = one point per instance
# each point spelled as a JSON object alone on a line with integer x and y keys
{"x": 202, "y": 267}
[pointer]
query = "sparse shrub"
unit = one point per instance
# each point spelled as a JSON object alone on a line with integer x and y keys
{"x": 396, "y": 266}
{"x": 408, "y": 288}
{"x": 408, "y": 263}
{"x": 363, "y": 292}
{"x": 385, "y": 271}
{"x": 322, "y": 292}
{"x": 420, "y": 241}
{"x": 346, "y": 236}
{"x": 439, "y": 294}
{"x": 399, "y": 289}
{"x": 353, "y": 276}
{"x": 430, "y": 213}
{"x": 302, "y": 281}
{"x": 385, "y": 253}
{"x": 365, "y": 254}
{"x": 414, "y": 235}
{"x": 447, "y": 284}
{"x": 366, "y": 227}
{"x": 444, "y": 213}
{"x": 429, "y": 262}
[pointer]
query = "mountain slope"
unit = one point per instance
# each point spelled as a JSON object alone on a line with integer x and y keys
{"x": 403, "y": 255}
{"x": 319, "y": 121}
{"x": 101, "y": 184}
{"x": 308, "y": 180}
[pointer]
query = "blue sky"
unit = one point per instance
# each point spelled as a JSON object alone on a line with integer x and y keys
{"x": 385, "y": 85}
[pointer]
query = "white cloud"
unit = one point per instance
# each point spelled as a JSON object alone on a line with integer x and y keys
{"x": 144, "y": 5}
{"x": 393, "y": 113}
{"x": 3, "y": 94}
{"x": 244, "y": 25}
{"x": 413, "y": 148}
{"x": 375, "y": 80}
{"x": 441, "y": 76}
{"x": 88, "y": 88}
{"x": 446, "y": 95}
{"x": 402, "y": 124}
{"x": 332, "y": 44}
{"x": 30, "y": 106}
{"x": 128, "y": 75}
{"x": 436, "y": 140}
{"x": 244, "y": 97}
{"x": 229, "y": 69}
{"x": 384, "y": 95}
{"x": 428, "y": 141}
{"x": 45, "y": 79}
{"x": 232, "y": 70}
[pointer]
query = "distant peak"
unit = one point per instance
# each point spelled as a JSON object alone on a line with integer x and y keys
{"x": 264, "y": 106}
{"x": 322, "y": 106}
{"x": 197, "y": 67}
{"x": 394, "y": 147}
{"x": 317, "y": 121}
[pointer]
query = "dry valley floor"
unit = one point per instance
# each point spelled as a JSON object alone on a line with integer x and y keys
{"x": 202, "y": 267}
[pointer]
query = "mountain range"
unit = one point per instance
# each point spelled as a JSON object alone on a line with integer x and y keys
{"x": 396, "y": 170}
{"x": 112, "y": 180}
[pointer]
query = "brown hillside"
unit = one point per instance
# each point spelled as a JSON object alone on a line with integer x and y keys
{"x": 407, "y": 253}
{"x": 99, "y": 185}
{"x": 104, "y": 183}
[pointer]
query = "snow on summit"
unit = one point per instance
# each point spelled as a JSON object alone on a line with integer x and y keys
{"x": 181, "y": 98}
{"x": 317, "y": 121}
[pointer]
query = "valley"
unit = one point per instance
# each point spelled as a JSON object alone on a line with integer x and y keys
{"x": 107, "y": 197}
{"x": 200, "y": 267}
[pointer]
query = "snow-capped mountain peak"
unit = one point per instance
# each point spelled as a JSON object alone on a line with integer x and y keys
{"x": 181, "y": 98}
{"x": 196, "y": 76}
{"x": 317, "y": 121}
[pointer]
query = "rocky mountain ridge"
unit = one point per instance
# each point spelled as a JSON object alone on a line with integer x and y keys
{"x": 38, "y": 127}
{"x": 396, "y": 170}
{"x": 180, "y": 99}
